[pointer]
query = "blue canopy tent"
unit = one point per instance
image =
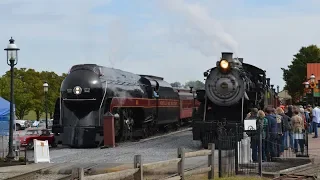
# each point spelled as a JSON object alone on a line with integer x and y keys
{"x": 4, "y": 117}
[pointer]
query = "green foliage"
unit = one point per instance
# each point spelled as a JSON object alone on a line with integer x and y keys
{"x": 176, "y": 84}
{"x": 28, "y": 90}
{"x": 296, "y": 73}
{"x": 195, "y": 84}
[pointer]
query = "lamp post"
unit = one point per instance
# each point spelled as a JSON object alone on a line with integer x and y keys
{"x": 45, "y": 89}
{"x": 311, "y": 86}
{"x": 194, "y": 100}
{"x": 12, "y": 60}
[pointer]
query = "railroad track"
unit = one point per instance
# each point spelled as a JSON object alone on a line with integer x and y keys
{"x": 295, "y": 177}
{"x": 44, "y": 173}
{"x": 68, "y": 177}
{"x": 30, "y": 174}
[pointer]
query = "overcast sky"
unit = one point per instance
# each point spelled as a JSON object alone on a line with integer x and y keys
{"x": 175, "y": 39}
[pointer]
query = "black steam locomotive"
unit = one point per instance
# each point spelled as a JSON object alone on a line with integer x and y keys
{"x": 141, "y": 105}
{"x": 232, "y": 88}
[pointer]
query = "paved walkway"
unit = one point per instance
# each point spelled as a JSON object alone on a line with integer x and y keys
{"x": 314, "y": 152}
{"x": 314, "y": 147}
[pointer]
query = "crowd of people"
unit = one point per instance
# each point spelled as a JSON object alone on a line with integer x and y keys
{"x": 283, "y": 128}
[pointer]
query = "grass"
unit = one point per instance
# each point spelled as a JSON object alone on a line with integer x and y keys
{"x": 32, "y": 116}
{"x": 205, "y": 177}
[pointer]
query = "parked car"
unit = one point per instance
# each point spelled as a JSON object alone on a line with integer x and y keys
{"x": 20, "y": 124}
{"x": 39, "y": 134}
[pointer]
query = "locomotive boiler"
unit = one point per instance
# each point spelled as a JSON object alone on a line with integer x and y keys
{"x": 232, "y": 88}
{"x": 140, "y": 104}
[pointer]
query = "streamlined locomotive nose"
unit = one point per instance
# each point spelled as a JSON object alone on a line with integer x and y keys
{"x": 81, "y": 84}
{"x": 82, "y": 94}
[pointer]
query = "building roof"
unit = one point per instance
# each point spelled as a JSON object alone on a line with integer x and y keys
{"x": 284, "y": 94}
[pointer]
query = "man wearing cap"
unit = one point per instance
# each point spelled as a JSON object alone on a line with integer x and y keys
{"x": 315, "y": 120}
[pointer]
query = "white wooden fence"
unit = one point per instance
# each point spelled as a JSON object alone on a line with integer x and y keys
{"x": 139, "y": 167}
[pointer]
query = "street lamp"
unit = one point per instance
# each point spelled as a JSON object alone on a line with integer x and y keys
{"x": 312, "y": 78}
{"x": 306, "y": 85}
{"x": 12, "y": 60}
{"x": 311, "y": 86}
{"x": 194, "y": 100}
{"x": 45, "y": 89}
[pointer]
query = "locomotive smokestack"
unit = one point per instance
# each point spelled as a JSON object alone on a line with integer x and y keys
{"x": 241, "y": 60}
{"x": 227, "y": 56}
{"x": 268, "y": 82}
{"x": 278, "y": 89}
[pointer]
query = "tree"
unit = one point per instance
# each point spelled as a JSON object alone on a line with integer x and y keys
{"x": 22, "y": 97}
{"x": 296, "y": 73}
{"x": 195, "y": 84}
{"x": 176, "y": 84}
{"x": 54, "y": 82}
{"x": 29, "y": 93}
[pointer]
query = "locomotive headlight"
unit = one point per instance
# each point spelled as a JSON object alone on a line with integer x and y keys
{"x": 224, "y": 64}
{"x": 77, "y": 90}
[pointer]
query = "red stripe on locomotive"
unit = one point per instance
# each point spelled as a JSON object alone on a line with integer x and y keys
{"x": 143, "y": 102}
{"x": 185, "y": 106}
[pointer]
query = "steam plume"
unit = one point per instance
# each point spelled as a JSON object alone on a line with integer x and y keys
{"x": 199, "y": 30}
{"x": 118, "y": 41}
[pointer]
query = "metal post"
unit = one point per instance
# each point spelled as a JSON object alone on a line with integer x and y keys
{"x": 312, "y": 90}
{"x": 46, "y": 104}
{"x": 211, "y": 162}
{"x": 260, "y": 130}
{"x": 307, "y": 143}
{"x": 219, "y": 158}
{"x": 10, "y": 155}
{"x": 236, "y": 160}
{"x": 194, "y": 100}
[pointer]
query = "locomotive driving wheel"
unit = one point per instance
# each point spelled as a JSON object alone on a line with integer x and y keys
{"x": 126, "y": 120}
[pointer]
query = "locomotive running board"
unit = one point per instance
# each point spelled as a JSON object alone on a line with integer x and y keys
{"x": 93, "y": 99}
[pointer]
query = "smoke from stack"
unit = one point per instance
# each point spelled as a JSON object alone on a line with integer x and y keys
{"x": 198, "y": 29}
{"x": 118, "y": 42}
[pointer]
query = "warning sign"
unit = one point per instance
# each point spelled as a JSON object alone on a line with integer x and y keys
{"x": 41, "y": 151}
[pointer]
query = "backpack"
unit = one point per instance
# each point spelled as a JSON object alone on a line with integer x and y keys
{"x": 287, "y": 122}
{"x": 278, "y": 117}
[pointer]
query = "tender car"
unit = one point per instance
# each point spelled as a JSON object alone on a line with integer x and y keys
{"x": 39, "y": 134}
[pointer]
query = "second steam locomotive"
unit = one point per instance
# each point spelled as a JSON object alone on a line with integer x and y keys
{"x": 232, "y": 88}
{"x": 141, "y": 105}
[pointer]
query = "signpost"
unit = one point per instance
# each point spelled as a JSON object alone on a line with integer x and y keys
{"x": 41, "y": 151}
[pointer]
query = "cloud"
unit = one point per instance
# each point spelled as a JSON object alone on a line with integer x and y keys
{"x": 54, "y": 35}
{"x": 175, "y": 39}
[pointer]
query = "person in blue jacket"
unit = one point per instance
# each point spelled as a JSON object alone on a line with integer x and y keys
{"x": 272, "y": 135}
